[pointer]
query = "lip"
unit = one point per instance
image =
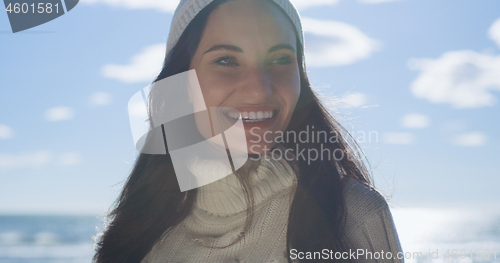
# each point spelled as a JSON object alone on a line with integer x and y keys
{"x": 255, "y": 108}
{"x": 263, "y": 107}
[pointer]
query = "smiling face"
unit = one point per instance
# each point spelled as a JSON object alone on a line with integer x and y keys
{"x": 246, "y": 60}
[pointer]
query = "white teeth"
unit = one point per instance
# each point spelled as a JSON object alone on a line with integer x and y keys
{"x": 251, "y": 116}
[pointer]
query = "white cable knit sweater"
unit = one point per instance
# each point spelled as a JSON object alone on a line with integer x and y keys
{"x": 219, "y": 214}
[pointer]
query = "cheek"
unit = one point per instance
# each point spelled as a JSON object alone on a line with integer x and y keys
{"x": 214, "y": 89}
{"x": 214, "y": 94}
{"x": 290, "y": 90}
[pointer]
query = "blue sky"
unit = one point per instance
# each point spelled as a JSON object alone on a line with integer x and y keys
{"x": 423, "y": 75}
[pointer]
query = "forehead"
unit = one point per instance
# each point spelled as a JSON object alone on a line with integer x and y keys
{"x": 248, "y": 23}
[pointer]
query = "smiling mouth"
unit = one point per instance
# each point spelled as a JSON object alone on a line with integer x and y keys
{"x": 251, "y": 116}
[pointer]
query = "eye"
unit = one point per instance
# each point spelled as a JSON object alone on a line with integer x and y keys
{"x": 284, "y": 60}
{"x": 226, "y": 61}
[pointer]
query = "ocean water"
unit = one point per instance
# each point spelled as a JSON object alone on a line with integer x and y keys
{"x": 47, "y": 239}
{"x": 430, "y": 232}
{"x": 449, "y": 235}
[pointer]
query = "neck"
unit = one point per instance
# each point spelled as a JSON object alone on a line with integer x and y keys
{"x": 227, "y": 195}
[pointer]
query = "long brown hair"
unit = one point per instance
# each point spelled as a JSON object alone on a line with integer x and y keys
{"x": 151, "y": 202}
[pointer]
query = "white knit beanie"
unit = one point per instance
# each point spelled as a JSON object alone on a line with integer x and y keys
{"x": 188, "y": 9}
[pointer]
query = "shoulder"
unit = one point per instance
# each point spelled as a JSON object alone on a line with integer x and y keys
{"x": 362, "y": 201}
{"x": 369, "y": 223}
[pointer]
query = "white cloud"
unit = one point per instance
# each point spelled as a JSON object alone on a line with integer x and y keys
{"x": 100, "y": 98}
{"x": 376, "y": 1}
{"x": 170, "y": 5}
{"x": 470, "y": 139}
{"x": 6, "y": 132}
{"x": 415, "y": 121}
{"x": 69, "y": 158}
{"x": 25, "y": 159}
{"x": 494, "y": 32}
{"x": 335, "y": 43}
{"x": 355, "y": 100}
{"x": 463, "y": 78}
{"x": 60, "y": 113}
{"x": 399, "y": 138}
{"x": 143, "y": 67}
{"x": 302, "y": 4}
{"x": 38, "y": 158}
{"x": 160, "y": 5}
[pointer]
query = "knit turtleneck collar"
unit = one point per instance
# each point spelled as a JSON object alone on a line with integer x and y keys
{"x": 226, "y": 196}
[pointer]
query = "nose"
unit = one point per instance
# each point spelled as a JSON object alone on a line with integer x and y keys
{"x": 257, "y": 86}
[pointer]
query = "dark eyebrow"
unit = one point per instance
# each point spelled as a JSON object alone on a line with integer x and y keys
{"x": 281, "y": 46}
{"x": 238, "y": 49}
{"x": 224, "y": 47}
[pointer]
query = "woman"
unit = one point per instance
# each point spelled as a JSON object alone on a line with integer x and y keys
{"x": 282, "y": 205}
